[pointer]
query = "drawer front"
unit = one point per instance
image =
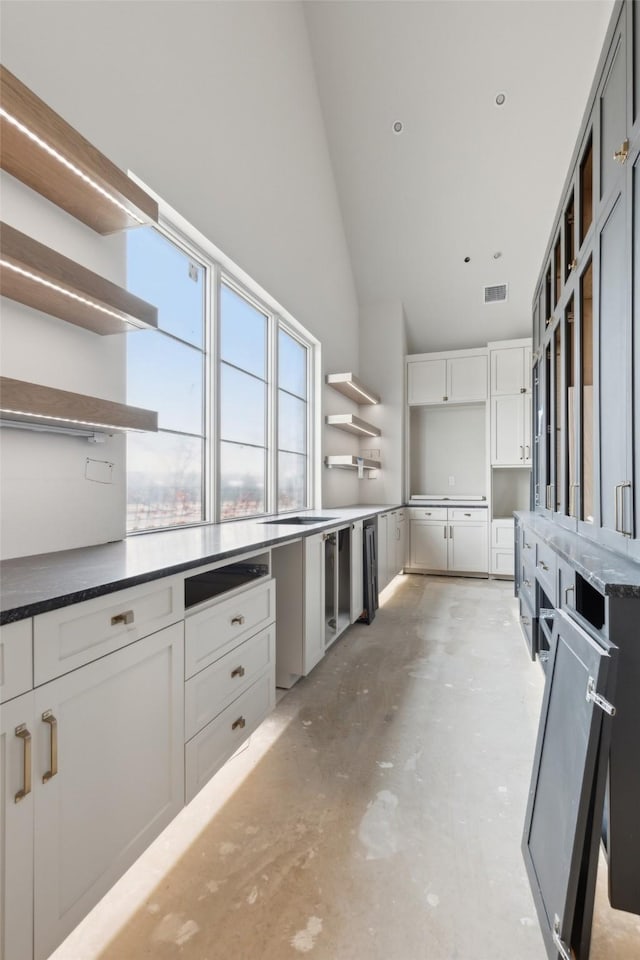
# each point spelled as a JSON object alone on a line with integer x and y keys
{"x": 207, "y": 751}
{"x": 428, "y": 513}
{"x": 467, "y": 515}
{"x": 502, "y": 562}
{"x": 16, "y": 659}
{"x": 528, "y": 581}
{"x": 502, "y": 536}
{"x": 546, "y": 570}
{"x": 68, "y": 638}
{"x": 215, "y": 687}
{"x": 214, "y": 631}
{"x": 528, "y": 627}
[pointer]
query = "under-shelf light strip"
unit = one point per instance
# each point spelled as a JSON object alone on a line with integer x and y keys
{"x": 70, "y": 166}
{"x": 362, "y": 392}
{"x": 369, "y": 433}
{"x": 69, "y": 293}
{"x": 5, "y": 411}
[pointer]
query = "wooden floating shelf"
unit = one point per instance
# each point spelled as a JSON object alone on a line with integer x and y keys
{"x": 44, "y": 279}
{"x": 349, "y": 386}
{"x": 346, "y": 462}
{"x": 32, "y": 403}
{"x": 42, "y": 150}
{"x": 352, "y": 424}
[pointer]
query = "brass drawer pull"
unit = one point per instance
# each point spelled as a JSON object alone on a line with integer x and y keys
{"x": 238, "y": 619}
{"x": 622, "y": 154}
{"x": 240, "y": 723}
{"x": 25, "y": 736}
{"x": 48, "y": 717}
{"x": 238, "y": 672}
{"x": 127, "y": 617}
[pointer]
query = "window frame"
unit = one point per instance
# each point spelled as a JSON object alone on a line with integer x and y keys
{"x": 219, "y": 268}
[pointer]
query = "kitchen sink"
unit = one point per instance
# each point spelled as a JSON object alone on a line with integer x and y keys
{"x": 300, "y": 520}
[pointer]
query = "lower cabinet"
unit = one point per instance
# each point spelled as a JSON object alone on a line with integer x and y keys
{"x": 454, "y": 541}
{"x": 391, "y": 546}
{"x": 502, "y": 548}
{"x": 382, "y": 544}
{"x": 101, "y": 770}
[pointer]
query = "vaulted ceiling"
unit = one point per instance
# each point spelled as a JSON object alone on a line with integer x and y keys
{"x": 465, "y": 177}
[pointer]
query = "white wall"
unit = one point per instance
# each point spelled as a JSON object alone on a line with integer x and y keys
{"x": 448, "y": 442}
{"x": 383, "y": 347}
{"x": 215, "y": 106}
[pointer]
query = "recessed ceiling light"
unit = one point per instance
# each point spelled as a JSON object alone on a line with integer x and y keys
{"x": 500, "y": 99}
{"x": 497, "y": 254}
{"x": 398, "y": 126}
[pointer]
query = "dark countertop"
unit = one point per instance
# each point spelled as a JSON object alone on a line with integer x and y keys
{"x": 32, "y": 585}
{"x": 610, "y": 573}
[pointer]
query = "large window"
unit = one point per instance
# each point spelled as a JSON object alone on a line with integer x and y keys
{"x": 166, "y": 372}
{"x": 243, "y": 406}
{"x": 234, "y": 438}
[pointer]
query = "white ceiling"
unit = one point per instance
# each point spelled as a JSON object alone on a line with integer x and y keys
{"x": 465, "y": 178}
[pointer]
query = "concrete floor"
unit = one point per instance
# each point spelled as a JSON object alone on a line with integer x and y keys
{"x": 377, "y": 814}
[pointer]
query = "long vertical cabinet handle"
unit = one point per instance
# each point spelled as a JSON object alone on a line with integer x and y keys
{"x": 23, "y": 733}
{"x": 619, "y": 508}
{"x": 444, "y": 530}
{"x": 48, "y": 717}
{"x": 451, "y": 533}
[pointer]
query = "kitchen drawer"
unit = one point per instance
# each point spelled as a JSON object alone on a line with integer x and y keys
{"x": 529, "y": 627}
{"x": 502, "y": 536}
{"x": 546, "y": 570}
{"x": 215, "y": 687}
{"x": 502, "y": 562}
{"x": 528, "y": 544}
{"x": 219, "y": 628}
{"x": 527, "y": 582}
{"x": 207, "y": 751}
{"x": 467, "y": 515}
{"x": 72, "y": 636}
{"x": 16, "y": 659}
{"x": 427, "y": 513}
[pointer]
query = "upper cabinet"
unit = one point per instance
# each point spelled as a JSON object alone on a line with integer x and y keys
{"x": 42, "y": 150}
{"x": 510, "y": 369}
{"x": 456, "y": 377}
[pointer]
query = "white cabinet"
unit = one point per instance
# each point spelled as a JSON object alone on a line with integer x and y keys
{"x": 357, "y": 570}
{"x": 396, "y": 543}
{"x": 502, "y": 547}
{"x": 511, "y": 431}
{"x": 16, "y": 659}
{"x": 458, "y": 377}
{"x": 510, "y": 370}
{"x": 16, "y": 828}
{"x": 454, "y": 540}
{"x": 382, "y": 544}
{"x": 314, "y": 601}
{"x": 103, "y": 774}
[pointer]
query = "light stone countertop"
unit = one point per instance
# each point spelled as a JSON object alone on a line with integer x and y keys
{"x": 35, "y": 584}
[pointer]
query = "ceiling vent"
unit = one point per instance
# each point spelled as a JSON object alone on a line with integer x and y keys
{"x": 497, "y": 293}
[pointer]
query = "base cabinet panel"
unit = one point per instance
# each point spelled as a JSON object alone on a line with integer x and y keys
{"x": 118, "y": 779}
{"x": 429, "y": 544}
{"x": 16, "y": 833}
{"x": 468, "y": 547}
{"x": 314, "y": 601}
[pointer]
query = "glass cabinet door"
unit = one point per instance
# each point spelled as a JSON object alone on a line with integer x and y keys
{"x": 584, "y": 503}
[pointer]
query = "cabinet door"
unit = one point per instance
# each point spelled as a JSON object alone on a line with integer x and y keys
{"x": 383, "y": 549}
{"x": 526, "y": 427}
{"x": 612, "y": 99}
{"x": 393, "y": 534}
{"x": 507, "y": 371}
{"x": 468, "y": 548}
{"x": 566, "y": 796}
{"x": 357, "y": 570}
{"x": 427, "y": 381}
{"x": 401, "y": 558}
{"x": 466, "y": 379}
{"x": 507, "y": 441}
{"x": 118, "y": 779}
{"x": 527, "y": 369}
{"x": 313, "y": 601}
{"x": 429, "y": 544}
{"x": 615, "y": 380}
{"x": 16, "y": 826}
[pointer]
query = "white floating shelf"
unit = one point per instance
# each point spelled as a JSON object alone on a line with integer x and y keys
{"x": 349, "y": 385}
{"x": 352, "y": 424}
{"x": 346, "y": 462}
